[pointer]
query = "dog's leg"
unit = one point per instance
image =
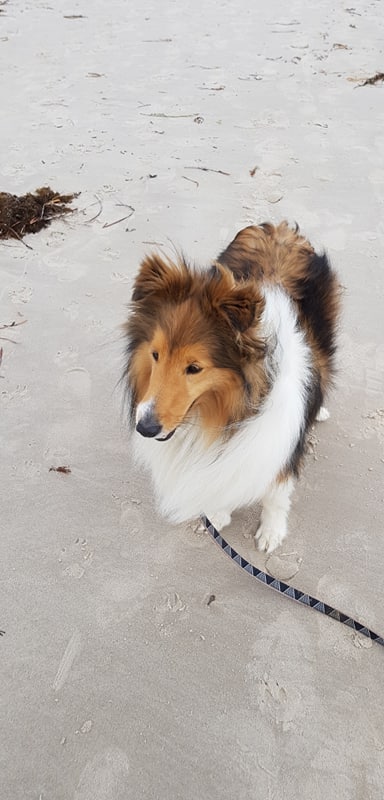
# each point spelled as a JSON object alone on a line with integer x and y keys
{"x": 273, "y": 521}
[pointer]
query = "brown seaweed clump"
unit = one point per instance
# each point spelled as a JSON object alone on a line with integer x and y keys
{"x": 31, "y": 212}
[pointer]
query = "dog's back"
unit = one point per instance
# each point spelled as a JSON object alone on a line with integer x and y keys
{"x": 280, "y": 255}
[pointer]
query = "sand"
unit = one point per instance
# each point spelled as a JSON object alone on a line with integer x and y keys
{"x": 118, "y": 678}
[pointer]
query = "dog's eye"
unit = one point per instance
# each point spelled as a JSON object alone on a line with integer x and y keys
{"x": 193, "y": 369}
{"x": 155, "y": 355}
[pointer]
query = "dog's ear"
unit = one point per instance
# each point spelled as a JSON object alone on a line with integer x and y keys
{"x": 236, "y": 303}
{"x": 153, "y": 277}
{"x": 161, "y": 278}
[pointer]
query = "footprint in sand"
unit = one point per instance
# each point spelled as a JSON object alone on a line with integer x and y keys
{"x": 105, "y": 777}
{"x": 131, "y": 521}
{"x": 22, "y": 295}
{"x": 77, "y": 382}
{"x": 72, "y": 310}
{"x": 67, "y": 356}
{"x": 65, "y": 264}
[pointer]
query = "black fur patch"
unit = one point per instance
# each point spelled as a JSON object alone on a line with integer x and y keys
{"x": 315, "y": 294}
{"x": 313, "y": 404}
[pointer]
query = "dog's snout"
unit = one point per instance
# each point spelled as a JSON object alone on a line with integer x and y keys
{"x": 148, "y": 426}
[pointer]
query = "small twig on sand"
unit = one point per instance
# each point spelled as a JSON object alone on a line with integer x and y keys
{"x": 201, "y": 66}
{"x": 109, "y": 224}
{"x": 378, "y": 78}
{"x": 64, "y": 470}
{"x": 207, "y": 169}
{"x": 99, "y": 211}
{"x": 191, "y": 180}
{"x": 168, "y": 116}
{"x": 13, "y": 324}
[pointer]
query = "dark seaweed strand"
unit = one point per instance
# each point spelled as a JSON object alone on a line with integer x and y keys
{"x": 286, "y": 589}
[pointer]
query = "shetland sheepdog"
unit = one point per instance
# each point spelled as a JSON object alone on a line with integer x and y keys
{"x": 227, "y": 369}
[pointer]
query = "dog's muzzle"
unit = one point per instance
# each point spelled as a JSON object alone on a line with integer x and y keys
{"x": 151, "y": 428}
{"x": 148, "y": 425}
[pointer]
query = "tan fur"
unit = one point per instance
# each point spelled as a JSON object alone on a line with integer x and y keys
{"x": 216, "y": 393}
{"x": 278, "y": 254}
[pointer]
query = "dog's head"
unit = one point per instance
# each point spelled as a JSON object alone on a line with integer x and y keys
{"x": 190, "y": 337}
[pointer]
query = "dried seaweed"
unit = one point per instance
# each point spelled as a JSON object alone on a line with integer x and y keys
{"x": 31, "y": 212}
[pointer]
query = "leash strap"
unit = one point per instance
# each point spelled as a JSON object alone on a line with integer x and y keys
{"x": 286, "y": 589}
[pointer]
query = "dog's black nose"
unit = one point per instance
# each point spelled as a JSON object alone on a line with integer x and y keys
{"x": 148, "y": 426}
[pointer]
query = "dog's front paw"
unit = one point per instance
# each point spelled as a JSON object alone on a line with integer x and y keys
{"x": 220, "y": 520}
{"x": 268, "y": 538}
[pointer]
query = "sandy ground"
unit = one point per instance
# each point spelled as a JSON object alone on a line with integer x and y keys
{"x": 118, "y": 680}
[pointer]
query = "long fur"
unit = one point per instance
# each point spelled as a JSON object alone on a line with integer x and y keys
{"x": 233, "y": 364}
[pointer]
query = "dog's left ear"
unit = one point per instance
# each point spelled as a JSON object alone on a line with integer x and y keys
{"x": 160, "y": 278}
{"x": 237, "y": 303}
{"x": 153, "y": 277}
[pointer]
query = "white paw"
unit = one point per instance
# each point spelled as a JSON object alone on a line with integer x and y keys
{"x": 323, "y": 414}
{"x": 220, "y": 520}
{"x": 268, "y": 538}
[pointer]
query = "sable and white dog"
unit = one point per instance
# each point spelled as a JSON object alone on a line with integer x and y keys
{"x": 227, "y": 370}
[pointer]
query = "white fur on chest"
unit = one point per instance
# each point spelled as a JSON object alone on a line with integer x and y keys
{"x": 190, "y": 479}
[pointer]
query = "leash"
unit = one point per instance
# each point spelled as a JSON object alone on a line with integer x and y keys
{"x": 286, "y": 589}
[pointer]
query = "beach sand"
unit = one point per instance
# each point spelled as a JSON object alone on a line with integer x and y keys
{"x": 118, "y": 678}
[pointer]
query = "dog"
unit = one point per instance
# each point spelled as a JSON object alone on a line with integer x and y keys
{"x": 227, "y": 370}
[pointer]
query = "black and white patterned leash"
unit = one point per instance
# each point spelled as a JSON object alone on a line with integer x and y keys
{"x": 286, "y": 589}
